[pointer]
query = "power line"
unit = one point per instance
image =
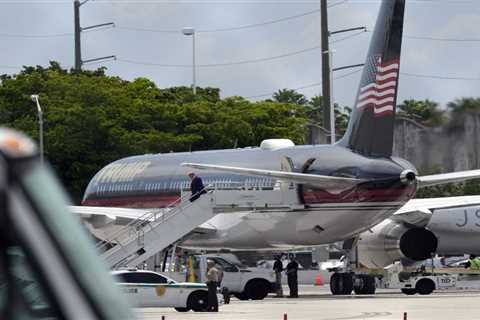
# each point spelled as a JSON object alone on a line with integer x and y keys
{"x": 248, "y": 26}
{"x": 8, "y": 67}
{"x": 441, "y": 39}
{"x": 415, "y": 37}
{"x": 357, "y": 71}
{"x": 255, "y": 25}
{"x": 225, "y": 64}
{"x": 429, "y": 76}
{"x": 17, "y": 35}
{"x": 43, "y": 36}
{"x": 348, "y": 37}
{"x": 289, "y": 54}
{"x": 316, "y": 84}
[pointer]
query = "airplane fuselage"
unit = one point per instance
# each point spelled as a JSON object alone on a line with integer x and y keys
{"x": 154, "y": 181}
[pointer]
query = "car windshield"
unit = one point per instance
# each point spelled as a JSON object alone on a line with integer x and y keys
{"x": 29, "y": 292}
{"x": 50, "y": 200}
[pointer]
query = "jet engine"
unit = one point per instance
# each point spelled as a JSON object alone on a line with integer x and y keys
{"x": 391, "y": 241}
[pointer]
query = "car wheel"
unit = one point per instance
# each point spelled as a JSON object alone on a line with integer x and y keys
{"x": 425, "y": 286}
{"x": 197, "y": 301}
{"x": 257, "y": 289}
{"x": 409, "y": 292}
{"x": 241, "y": 296}
{"x": 182, "y": 309}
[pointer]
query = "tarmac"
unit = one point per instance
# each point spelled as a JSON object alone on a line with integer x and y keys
{"x": 317, "y": 303}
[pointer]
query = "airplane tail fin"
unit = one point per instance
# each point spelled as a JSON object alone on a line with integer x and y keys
{"x": 370, "y": 130}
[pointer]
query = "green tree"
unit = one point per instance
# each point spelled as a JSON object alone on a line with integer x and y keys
{"x": 92, "y": 119}
{"x": 464, "y": 104}
{"x": 314, "y": 111}
{"x": 424, "y": 111}
{"x": 289, "y": 96}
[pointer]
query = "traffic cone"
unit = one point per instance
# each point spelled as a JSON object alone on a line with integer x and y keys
{"x": 318, "y": 280}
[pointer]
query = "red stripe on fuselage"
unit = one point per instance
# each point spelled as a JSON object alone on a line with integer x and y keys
{"x": 378, "y": 195}
{"x": 138, "y": 202}
{"x": 310, "y": 197}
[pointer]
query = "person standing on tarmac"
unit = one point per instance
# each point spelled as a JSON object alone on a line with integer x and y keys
{"x": 196, "y": 186}
{"x": 224, "y": 291}
{"x": 292, "y": 277}
{"x": 212, "y": 283}
{"x": 278, "y": 268}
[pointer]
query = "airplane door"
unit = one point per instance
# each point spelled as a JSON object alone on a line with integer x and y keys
{"x": 287, "y": 187}
{"x": 300, "y": 187}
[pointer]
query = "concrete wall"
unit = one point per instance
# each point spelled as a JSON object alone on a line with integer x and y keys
{"x": 453, "y": 146}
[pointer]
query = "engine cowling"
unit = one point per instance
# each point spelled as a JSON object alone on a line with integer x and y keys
{"x": 391, "y": 241}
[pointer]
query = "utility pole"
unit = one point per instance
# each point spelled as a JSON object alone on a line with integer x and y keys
{"x": 326, "y": 78}
{"x": 78, "y": 50}
{"x": 78, "y": 31}
{"x": 327, "y": 71}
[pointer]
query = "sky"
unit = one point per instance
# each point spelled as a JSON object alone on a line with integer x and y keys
{"x": 148, "y": 42}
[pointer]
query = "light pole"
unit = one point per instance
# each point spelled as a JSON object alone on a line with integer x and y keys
{"x": 34, "y": 98}
{"x": 188, "y": 31}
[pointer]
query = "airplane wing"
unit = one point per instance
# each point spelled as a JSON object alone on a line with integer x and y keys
{"x": 417, "y": 212}
{"x": 103, "y": 217}
{"x": 337, "y": 183}
{"x": 99, "y": 216}
{"x": 443, "y": 178}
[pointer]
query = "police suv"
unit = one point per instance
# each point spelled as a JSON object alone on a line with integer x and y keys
{"x": 151, "y": 289}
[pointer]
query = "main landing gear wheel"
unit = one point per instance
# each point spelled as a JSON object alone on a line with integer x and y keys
{"x": 341, "y": 283}
{"x": 364, "y": 284}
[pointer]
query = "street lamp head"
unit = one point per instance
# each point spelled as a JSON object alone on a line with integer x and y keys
{"x": 188, "y": 31}
{"x": 34, "y": 97}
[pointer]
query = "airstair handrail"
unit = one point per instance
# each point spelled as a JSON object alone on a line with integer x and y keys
{"x": 151, "y": 216}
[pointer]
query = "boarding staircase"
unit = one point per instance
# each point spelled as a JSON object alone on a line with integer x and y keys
{"x": 156, "y": 230}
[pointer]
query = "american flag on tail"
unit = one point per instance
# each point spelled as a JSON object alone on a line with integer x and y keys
{"x": 379, "y": 88}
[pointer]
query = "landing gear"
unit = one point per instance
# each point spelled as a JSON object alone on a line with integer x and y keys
{"x": 344, "y": 280}
{"x": 341, "y": 283}
{"x": 364, "y": 284}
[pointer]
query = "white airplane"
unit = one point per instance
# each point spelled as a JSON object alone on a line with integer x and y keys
{"x": 342, "y": 189}
{"x": 446, "y": 226}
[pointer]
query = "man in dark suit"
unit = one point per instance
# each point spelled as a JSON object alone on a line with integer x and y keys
{"x": 278, "y": 268}
{"x": 292, "y": 269}
{"x": 196, "y": 187}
